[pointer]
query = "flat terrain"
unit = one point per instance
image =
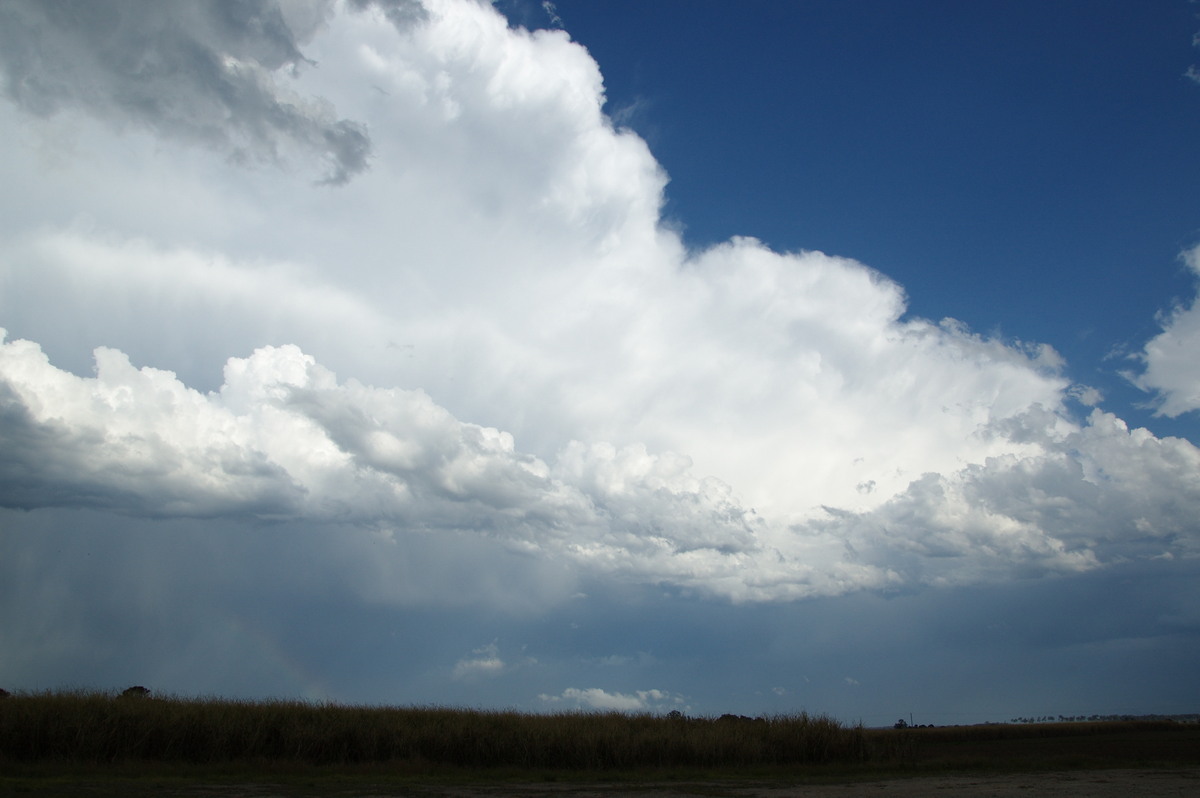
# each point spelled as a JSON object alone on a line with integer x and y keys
{"x": 1081, "y": 784}
{"x": 99, "y": 745}
{"x": 1092, "y": 783}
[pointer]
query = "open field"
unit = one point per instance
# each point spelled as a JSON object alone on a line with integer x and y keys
{"x": 89, "y": 743}
{"x": 1119, "y": 783}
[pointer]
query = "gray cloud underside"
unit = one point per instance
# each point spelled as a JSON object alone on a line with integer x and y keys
{"x": 283, "y": 439}
{"x": 207, "y": 72}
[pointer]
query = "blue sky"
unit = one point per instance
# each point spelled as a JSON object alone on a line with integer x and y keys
{"x": 722, "y": 357}
{"x": 1027, "y": 168}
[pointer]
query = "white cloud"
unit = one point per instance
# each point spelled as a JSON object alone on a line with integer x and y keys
{"x": 1100, "y": 494}
{"x": 552, "y": 13}
{"x": 485, "y": 661}
{"x": 480, "y": 391}
{"x": 1192, "y": 72}
{"x": 1172, "y": 358}
{"x": 281, "y": 438}
{"x": 489, "y": 334}
{"x": 284, "y": 439}
{"x": 638, "y": 701}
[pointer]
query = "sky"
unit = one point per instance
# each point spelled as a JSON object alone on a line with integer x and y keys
{"x": 748, "y": 357}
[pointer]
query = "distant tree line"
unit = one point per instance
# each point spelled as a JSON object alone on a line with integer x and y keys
{"x": 1186, "y": 718}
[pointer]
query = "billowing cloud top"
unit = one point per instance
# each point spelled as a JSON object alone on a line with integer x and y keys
{"x": 488, "y": 330}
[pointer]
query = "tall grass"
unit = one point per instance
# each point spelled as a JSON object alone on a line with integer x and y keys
{"x": 100, "y": 727}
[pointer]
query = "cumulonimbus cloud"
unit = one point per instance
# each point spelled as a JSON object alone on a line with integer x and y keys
{"x": 732, "y": 421}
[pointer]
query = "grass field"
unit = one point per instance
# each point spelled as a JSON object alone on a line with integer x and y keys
{"x": 97, "y": 727}
{"x": 129, "y": 744}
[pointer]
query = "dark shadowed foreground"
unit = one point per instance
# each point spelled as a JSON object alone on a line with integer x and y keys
{"x": 1096, "y": 784}
{"x": 134, "y": 744}
{"x": 1078, "y": 784}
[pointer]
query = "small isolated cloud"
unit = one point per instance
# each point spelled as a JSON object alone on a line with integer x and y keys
{"x": 613, "y": 661}
{"x": 1171, "y": 360}
{"x": 1086, "y": 395}
{"x": 596, "y": 698}
{"x": 1192, "y": 71}
{"x": 852, "y": 681}
{"x": 641, "y": 659}
{"x": 552, "y": 13}
{"x": 484, "y": 661}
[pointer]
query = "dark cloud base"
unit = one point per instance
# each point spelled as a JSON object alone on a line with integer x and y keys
{"x": 200, "y": 608}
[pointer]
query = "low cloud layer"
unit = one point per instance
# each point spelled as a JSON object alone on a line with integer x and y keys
{"x": 594, "y": 698}
{"x": 283, "y": 440}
